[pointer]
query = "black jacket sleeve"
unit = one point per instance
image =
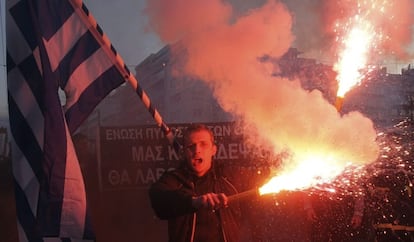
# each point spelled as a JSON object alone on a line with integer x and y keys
{"x": 171, "y": 196}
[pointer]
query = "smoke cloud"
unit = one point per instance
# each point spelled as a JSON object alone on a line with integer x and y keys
{"x": 223, "y": 49}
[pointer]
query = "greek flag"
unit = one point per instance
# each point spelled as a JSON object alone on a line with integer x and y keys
{"x": 53, "y": 45}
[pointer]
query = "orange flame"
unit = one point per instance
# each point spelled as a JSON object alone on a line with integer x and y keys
{"x": 353, "y": 58}
{"x": 360, "y": 36}
{"x": 309, "y": 172}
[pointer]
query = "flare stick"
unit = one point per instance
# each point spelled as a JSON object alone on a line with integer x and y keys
{"x": 241, "y": 195}
{"x": 338, "y": 103}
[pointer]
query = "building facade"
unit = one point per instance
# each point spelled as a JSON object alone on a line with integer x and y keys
{"x": 384, "y": 98}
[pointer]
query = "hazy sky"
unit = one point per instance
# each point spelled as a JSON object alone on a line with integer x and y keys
{"x": 125, "y": 24}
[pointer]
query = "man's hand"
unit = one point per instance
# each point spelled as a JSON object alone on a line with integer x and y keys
{"x": 211, "y": 201}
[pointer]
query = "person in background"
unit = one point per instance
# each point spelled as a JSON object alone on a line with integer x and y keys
{"x": 194, "y": 198}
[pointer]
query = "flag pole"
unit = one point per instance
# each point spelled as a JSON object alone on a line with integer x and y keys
{"x": 242, "y": 195}
{"x": 96, "y": 30}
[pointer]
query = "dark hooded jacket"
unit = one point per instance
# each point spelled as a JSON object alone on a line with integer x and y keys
{"x": 171, "y": 200}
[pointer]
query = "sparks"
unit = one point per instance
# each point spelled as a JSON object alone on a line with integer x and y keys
{"x": 358, "y": 37}
{"x": 353, "y": 59}
{"x": 309, "y": 172}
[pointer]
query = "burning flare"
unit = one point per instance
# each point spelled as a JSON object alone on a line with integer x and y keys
{"x": 310, "y": 172}
{"x": 358, "y": 37}
{"x": 353, "y": 59}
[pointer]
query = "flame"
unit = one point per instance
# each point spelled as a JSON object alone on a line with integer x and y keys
{"x": 311, "y": 171}
{"x": 358, "y": 37}
{"x": 353, "y": 58}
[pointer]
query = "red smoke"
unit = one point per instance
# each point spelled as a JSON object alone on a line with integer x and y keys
{"x": 223, "y": 50}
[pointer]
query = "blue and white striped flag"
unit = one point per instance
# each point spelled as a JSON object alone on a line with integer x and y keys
{"x": 52, "y": 45}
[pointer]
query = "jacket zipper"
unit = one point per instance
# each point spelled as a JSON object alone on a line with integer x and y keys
{"x": 193, "y": 227}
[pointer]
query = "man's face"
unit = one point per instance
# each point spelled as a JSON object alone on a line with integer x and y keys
{"x": 199, "y": 150}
